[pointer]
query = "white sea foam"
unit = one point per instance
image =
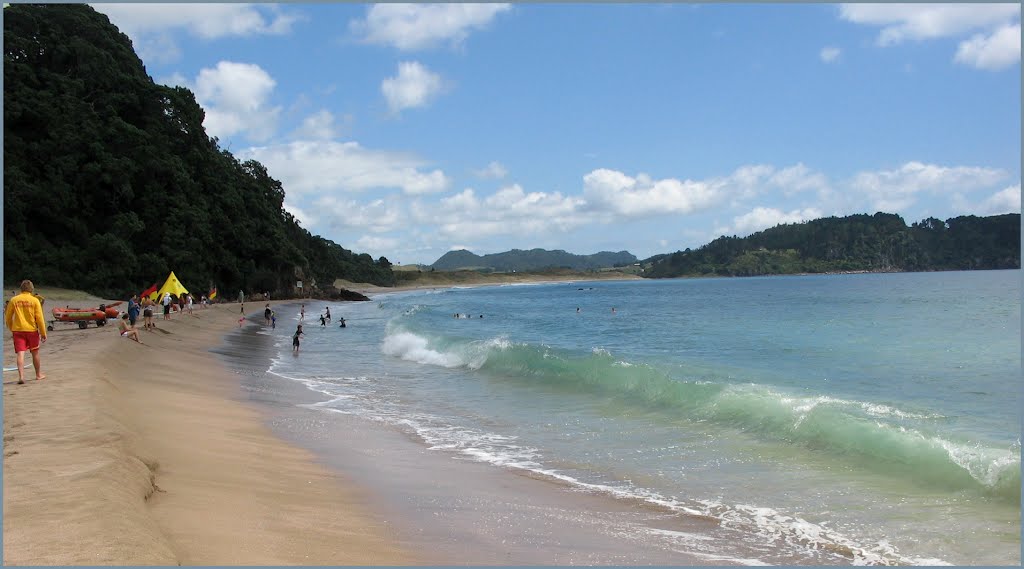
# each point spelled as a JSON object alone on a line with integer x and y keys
{"x": 410, "y": 347}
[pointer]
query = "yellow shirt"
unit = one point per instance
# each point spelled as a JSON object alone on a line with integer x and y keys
{"x": 25, "y": 314}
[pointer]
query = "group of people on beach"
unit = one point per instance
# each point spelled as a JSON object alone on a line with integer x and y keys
{"x": 183, "y": 302}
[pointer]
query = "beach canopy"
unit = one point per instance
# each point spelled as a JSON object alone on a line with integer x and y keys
{"x": 171, "y": 285}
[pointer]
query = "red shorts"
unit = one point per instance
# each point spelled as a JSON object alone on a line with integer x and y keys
{"x": 24, "y": 341}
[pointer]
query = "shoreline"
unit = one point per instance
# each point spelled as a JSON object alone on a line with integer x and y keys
{"x": 131, "y": 454}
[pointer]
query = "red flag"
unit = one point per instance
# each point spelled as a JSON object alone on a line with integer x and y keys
{"x": 148, "y": 291}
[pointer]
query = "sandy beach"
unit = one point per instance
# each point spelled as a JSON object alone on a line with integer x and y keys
{"x": 130, "y": 454}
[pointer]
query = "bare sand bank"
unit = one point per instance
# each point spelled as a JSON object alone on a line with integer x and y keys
{"x": 131, "y": 454}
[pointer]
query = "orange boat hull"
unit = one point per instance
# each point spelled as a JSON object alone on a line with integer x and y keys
{"x": 78, "y": 314}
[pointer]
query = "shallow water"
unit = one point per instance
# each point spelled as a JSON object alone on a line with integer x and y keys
{"x": 794, "y": 420}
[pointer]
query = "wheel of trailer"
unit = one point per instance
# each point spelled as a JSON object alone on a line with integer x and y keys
{"x": 49, "y": 328}
{"x": 101, "y": 322}
{"x": 82, "y": 324}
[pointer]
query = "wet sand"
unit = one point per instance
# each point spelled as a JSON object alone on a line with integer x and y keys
{"x": 131, "y": 454}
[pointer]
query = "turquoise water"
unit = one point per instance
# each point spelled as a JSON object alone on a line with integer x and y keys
{"x": 816, "y": 419}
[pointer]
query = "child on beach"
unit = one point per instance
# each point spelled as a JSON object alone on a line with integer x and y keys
{"x": 295, "y": 338}
{"x": 273, "y": 319}
{"x": 323, "y": 322}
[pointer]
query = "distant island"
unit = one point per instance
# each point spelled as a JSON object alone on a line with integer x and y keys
{"x": 532, "y": 260}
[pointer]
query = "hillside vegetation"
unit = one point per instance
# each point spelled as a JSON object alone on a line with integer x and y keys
{"x": 111, "y": 182}
{"x": 881, "y": 242}
{"x": 532, "y": 260}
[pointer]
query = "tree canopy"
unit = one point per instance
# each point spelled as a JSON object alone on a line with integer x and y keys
{"x": 111, "y": 181}
{"x": 879, "y": 242}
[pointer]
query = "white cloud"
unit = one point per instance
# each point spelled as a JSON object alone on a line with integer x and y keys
{"x": 764, "y": 217}
{"x": 494, "y": 170}
{"x": 419, "y": 26}
{"x": 377, "y": 216}
{"x": 414, "y": 86}
{"x": 798, "y": 178}
{"x": 150, "y": 26}
{"x": 379, "y": 245}
{"x": 327, "y": 166}
{"x": 207, "y": 21}
{"x": 894, "y": 190}
{"x": 829, "y": 54}
{"x": 509, "y": 211}
{"x": 995, "y": 45}
{"x": 304, "y": 218}
{"x": 234, "y": 96}
{"x": 997, "y": 51}
{"x": 639, "y": 197}
{"x": 625, "y": 196}
{"x": 319, "y": 126}
{"x": 1003, "y": 201}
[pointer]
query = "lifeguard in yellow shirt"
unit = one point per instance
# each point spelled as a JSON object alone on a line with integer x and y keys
{"x": 24, "y": 317}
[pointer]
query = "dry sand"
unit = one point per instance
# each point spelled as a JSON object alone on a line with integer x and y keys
{"x": 130, "y": 454}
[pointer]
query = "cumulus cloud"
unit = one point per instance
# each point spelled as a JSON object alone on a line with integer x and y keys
{"x": 318, "y": 126}
{"x": 894, "y": 190}
{"x": 150, "y": 26}
{"x": 996, "y": 28}
{"x": 494, "y": 170}
{"x": 418, "y": 26}
{"x": 1003, "y": 201}
{"x": 377, "y": 216}
{"x": 235, "y": 98}
{"x": 993, "y": 52}
{"x": 304, "y": 218}
{"x": 414, "y": 86}
{"x": 625, "y": 196}
{"x": 829, "y": 54}
{"x": 323, "y": 166}
{"x": 798, "y": 178}
{"x": 764, "y": 217}
{"x": 641, "y": 196}
{"x": 508, "y": 211}
{"x": 379, "y": 245}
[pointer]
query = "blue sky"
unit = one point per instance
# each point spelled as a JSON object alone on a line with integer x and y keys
{"x": 406, "y": 131}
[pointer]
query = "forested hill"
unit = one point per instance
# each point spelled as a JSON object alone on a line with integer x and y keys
{"x": 111, "y": 182}
{"x": 880, "y": 242}
{"x": 532, "y": 260}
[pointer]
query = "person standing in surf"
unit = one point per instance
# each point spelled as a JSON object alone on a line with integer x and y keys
{"x": 295, "y": 339}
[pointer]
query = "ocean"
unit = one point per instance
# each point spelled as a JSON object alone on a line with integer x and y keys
{"x": 822, "y": 419}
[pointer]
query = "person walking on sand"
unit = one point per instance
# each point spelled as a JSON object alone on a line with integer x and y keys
{"x": 24, "y": 318}
{"x": 167, "y": 305}
{"x": 127, "y": 329}
{"x": 295, "y": 338}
